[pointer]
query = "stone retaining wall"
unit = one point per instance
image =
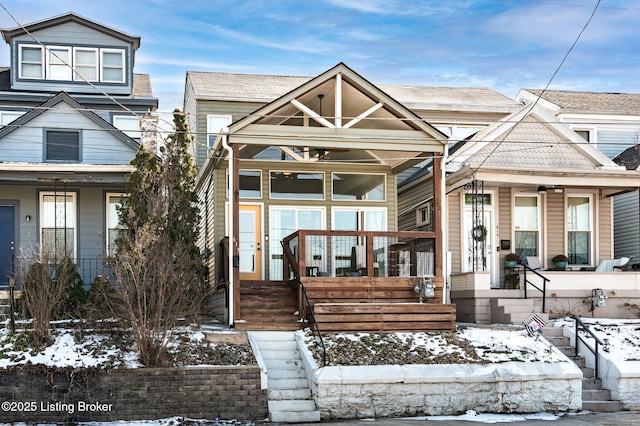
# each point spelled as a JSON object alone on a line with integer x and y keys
{"x": 55, "y": 395}
{"x": 435, "y": 390}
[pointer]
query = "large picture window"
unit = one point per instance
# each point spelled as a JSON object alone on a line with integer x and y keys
{"x": 358, "y": 187}
{"x": 287, "y": 220}
{"x": 58, "y": 224}
{"x": 579, "y": 225}
{"x": 297, "y": 185}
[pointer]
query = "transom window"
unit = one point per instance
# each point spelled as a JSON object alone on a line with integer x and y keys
{"x": 58, "y": 63}
{"x": 62, "y": 145}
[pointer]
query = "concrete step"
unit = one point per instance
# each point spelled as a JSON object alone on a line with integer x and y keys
{"x": 558, "y": 341}
{"x": 277, "y": 355}
{"x": 291, "y": 405}
{"x": 568, "y": 351}
{"x": 288, "y": 394}
{"x": 591, "y": 384}
{"x": 278, "y": 345}
{"x": 596, "y": 395}
{"x": 294, "y": 417}
{"x": 587, "y": 372}
{"x": 553, "y": 332}
{"x": 279, "y": 364}
{"x": 288, "y": 384}
{"x": 602, "y": 406}
{"x": 520, "y": 317}
{"x": 276, "y": 373}
{"x": 273, "y": 336}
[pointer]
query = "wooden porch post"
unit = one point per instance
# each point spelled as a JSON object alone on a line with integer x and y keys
{"x": 235, "y": 238}
{"x": 438, "y": 192}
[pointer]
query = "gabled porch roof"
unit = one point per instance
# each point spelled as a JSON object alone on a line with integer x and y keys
{"x": 532, "y": 147}
{"x": 342, "y": 113}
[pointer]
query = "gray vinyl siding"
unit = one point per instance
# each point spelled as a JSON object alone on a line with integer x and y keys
{"x": 97, "y": 145}
{"x": 626, "y": 225}
{"x": 612, "y": 143}
{"x": 237, "y": 110}
{"x": 454, "y": 231}
{"x": 604, "y": 228}
{"x": 409, "y": 198}
{"x": 72, "y": 34}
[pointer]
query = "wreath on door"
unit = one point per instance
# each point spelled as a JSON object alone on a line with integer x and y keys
{"x": 479, "y": 233}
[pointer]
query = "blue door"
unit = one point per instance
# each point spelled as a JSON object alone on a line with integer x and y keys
{"x": 7, "y": 242}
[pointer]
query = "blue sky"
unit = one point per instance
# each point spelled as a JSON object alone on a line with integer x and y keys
{"x": 501, "y": 44}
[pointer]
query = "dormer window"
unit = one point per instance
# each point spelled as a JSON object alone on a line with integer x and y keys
{"x": 58, "y": 62}
{"x": 31, "y": 62}
{"x": 86, "y": 64}
{"x": 112, "y": 65}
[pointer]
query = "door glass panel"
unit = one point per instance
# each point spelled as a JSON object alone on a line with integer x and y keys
{"x": 247, "y": 249}
{"x": 526, "y": 227}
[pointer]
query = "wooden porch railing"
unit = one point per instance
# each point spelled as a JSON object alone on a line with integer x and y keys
{"x": 363, "y": 253}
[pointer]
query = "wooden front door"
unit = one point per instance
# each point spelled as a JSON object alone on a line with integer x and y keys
{"x": 249, "y": 246}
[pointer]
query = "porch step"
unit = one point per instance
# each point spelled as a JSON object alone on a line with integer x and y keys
{"x": 514, "y": 311}
{"x": 594, "y": 397}
{"x": 267, "y": 305}
{"x": 289, "y": 396}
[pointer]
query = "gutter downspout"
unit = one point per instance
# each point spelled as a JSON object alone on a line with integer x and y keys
{"x": 446, "y": 294}
{"x": 231, "y": 242}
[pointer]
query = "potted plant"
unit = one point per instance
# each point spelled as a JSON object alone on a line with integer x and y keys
{"x": 560, "y": 261}
{"x": 511, "y": 260}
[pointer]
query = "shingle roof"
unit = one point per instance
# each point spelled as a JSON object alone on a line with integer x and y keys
{"x": 142, "y": 86}
{"x": 629, "y": 158}
{"x": 265, "y": 87}
{"x": 602, "y": 102}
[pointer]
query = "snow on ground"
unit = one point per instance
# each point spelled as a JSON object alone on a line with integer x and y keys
{"x": 623, "y": 335}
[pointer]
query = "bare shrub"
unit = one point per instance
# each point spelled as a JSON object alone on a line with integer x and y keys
{"x": 156, "y": 285}
{"x": 44, "y": 285}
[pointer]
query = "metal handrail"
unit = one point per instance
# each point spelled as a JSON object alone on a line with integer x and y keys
{"x": 594, "y": 350}
{"x": 543, "y": 290}
{"x": 305, "y": 303}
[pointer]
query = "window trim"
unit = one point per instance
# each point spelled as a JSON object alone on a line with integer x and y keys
{"x": 74, "y": 215}
{"x": 108, "y": 197}
{"x": 133, "y": 134}
{"x": 592, "y": 221}
{"x": 21, "y": 61}
{"x": 210, "y": 131}
{"x": 110, "y": 67}
{"x": 426, "y": 207}
{"x": 76, "y": 74}
{"x": 540, "y": 212}
{"x": 45, "y": 143}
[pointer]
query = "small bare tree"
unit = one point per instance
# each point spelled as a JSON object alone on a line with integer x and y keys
{"x": 157, "y": 267}
{"x": 44, "y": 283}
{"x": 155, "y": 288}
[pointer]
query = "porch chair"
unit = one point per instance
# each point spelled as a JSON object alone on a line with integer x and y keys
{"x": 613, "y": 265}
{"x": 534, "y": 263}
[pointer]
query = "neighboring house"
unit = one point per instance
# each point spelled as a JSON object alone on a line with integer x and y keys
{"x": 311, "y": 163}
{"x": 70, "y": 110}
{"x": 527, "y": 184}
{"x": 611, "y": 122}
